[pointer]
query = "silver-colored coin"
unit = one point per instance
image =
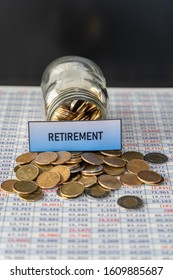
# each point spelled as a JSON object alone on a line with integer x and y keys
{"x": 130, "y": 202}
{"x": 156, "y": 158}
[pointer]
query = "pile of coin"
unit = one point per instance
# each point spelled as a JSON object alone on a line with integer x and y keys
{"x": 78, "y": 110}
{"x": 94, "y": 174}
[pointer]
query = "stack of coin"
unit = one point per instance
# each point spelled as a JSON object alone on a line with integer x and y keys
{"x": 94, "y": 174}
{"x": 76, "y": 111}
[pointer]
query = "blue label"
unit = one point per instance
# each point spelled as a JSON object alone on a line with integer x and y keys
{"x": 75, "y": 136}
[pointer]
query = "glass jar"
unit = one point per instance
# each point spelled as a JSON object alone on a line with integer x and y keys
{"x": 74, "y": 88}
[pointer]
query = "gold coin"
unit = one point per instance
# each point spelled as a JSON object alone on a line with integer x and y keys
{"x": 158, "y": 183}
{"x": 97, "y": 191}
{"x": 62, "y": 158}
{"x": 149, "y": 176}
{"x": 74, "y": 160}
{"x": 113, "y": 170}
{"x": 27, "y": 172}
{"x": 26, "y": 158}
{"x": 111, "y": 153}
{"x": 130, "y": 202}
{"x": 87, "y": 181}
{"x": 8, "y": 185}
{"x": 25, "y": 187}
{"x": 48, "y": 179}
{"x": 61, "y": 195}
{"x": 92, "y": 170}
{"x": 46, "y": 158}
{"x": 114, "y": 161}
{"x": 31, "y": 197}
{"x": 42, "y": 168}
{"x": 74, "y": 177}
{"x": 130, "y": 179}
{"x": 132, "y": 155}
{"x": 109, "y": 182}
{"x": 72, "y": 189}
{"x": 92, "y": 158}
{"x": 137, "y": 165}
{"x": 16, "y": 168}
{"x": 64, "y": 172}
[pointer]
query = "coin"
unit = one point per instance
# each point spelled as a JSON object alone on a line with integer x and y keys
{"x": 42, "y": 168}
{"x": 92, "y": 158}
{"x": 114, "y": 161}
{"x": 25, "y": 187}
{"x": 137, "y": 165}
{"x": 130, "y": 180}
{"x": 64, "y": 172}
{"x": 74, "y": 177}
{"x": 113, "y": 170}
{"x": 112, "y": 153}
{"x": 72, "y": 189}
{"x": 26, "y": 158}
{"x": 97, "y": 191}
{"x": 92, "y": 170}
{"x": 132, "y": 155}
{"x": 27, "y": 172}
{"x": 31, "y": 197}
{"x": 48, "y": 179}
{"x": 62, "y": 158}
{"x": 149, "y": 176}
{"x": 156, "y": 158}
{"x": 87, "y": 181}
{"x": 109, "y": 182}
{"x": 8, "y": 185}
{"x": 58, "y": 191}
{"x": 130, "y": 202}
{"x": 46, "y": 158}
{"x": 158, "y": 183}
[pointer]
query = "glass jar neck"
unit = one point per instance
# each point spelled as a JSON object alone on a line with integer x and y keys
{"x": 76, "y": 94}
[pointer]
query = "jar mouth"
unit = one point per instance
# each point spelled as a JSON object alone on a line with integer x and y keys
{"x": 76, "y": 95}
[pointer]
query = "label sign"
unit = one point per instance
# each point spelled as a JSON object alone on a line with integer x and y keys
{"x": 75, "y": 136}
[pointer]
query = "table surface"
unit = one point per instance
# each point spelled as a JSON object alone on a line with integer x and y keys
{"x": 83, "y": 228}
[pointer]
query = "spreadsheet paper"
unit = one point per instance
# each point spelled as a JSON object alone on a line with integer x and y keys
{"x": 84, "y": 228}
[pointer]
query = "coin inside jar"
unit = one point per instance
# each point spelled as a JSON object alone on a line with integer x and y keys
{"x": 25, "y": 187}
{"x": 92, "y": 158}
{"x": 109, "y": 182}
{"x": 130, "y": 202}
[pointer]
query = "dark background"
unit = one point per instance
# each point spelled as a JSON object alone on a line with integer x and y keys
{"x": 131, "y": 41}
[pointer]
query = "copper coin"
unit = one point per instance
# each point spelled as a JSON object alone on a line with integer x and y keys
{"x": 97, "y": 192}
{"x": 25, "y": 187}
{"x": 114, "y": 161}
{"x": 27, "y": 172}
{"x": 132, "y": 155}
{"x": 109, "y": 182}
{"x": 111, "y": 153}
{"x": 149, "y": 176}
{"x": 46, "y": 158}
{"x": 136, "y": 165}
{"x": 158, "y": 183}
{"x": 31, "y": 197}
{"x": 92, "y": 170}
{"x": 130, "y": 180}
{"x": 64, "y": 172}
{"x": 92, "y": 158}
{"x": 62, "y": 157}
{"x": 72, "y": 189}
{"x": 8, "y": 185}
{"x": 113, "y": 170}
{"x": 130, "y": 202}
{"x": 156, "y": 158}
{"x": 26, "y": 158}
{"x": 48, "y": 179}
{"x": 87, "y": 181}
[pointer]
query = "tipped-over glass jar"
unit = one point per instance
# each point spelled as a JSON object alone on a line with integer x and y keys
{"x": 74, "y": 88}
